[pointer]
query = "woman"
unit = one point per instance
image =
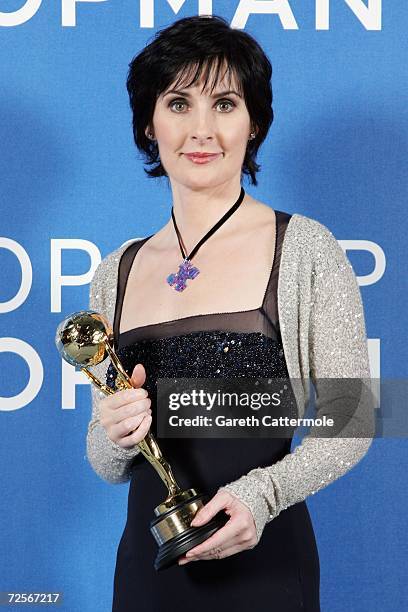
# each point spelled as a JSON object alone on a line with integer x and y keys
{"x": 274, "y": 296}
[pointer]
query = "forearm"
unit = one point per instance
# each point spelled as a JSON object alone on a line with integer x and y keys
{"x": 313, "y": 465}
{"x": 109, "y": 460}
{"x": 317, "y": 461}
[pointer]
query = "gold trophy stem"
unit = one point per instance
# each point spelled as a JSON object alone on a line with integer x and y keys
{"x": 148, "y": 446}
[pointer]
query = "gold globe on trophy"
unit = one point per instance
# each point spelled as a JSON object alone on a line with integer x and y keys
{"x": 85, "y": 339}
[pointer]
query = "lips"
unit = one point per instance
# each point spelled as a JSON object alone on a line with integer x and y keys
{"x": 202, "y": 158}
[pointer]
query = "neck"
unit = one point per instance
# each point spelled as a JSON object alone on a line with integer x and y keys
{"x": 196, "y": 212}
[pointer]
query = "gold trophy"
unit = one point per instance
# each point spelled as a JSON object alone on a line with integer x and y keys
{"x": 85, "y": 339}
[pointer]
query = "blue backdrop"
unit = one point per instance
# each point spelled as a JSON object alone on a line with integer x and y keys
{"x": 73, "y": 189}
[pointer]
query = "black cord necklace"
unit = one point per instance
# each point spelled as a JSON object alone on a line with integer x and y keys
{"x": 186, "y": 270}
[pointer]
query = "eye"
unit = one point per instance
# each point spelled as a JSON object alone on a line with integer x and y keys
{"x": 229, "y": 102}
{"x": 176, "y": 102}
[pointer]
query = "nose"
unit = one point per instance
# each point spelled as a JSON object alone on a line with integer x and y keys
{"x": 202, "y": 125}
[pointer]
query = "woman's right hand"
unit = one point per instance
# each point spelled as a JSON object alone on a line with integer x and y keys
{"x": 127, "y": 411}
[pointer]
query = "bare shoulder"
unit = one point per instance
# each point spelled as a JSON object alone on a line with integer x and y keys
{"x": 257, "y": 219}
{"x": 259, "y": 210}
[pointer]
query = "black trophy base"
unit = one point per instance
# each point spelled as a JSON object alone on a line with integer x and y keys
{"x": 170, "y": 551}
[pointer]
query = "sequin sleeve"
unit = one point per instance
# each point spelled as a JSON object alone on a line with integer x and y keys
{"x": 337, "y": 350}
{"x": 109, "y": 460}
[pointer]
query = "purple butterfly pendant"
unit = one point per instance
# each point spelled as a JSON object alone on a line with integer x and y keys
{"x": 185, "y": 272}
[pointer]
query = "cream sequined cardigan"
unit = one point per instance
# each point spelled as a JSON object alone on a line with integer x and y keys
{"x": 323, "y": 334}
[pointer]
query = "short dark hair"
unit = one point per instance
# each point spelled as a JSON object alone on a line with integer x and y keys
{"x": 202, "y": 42}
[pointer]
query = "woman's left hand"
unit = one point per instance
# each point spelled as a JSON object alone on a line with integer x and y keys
{"x": 238, "y": 534}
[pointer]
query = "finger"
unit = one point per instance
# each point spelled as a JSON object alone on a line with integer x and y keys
{"x": 224, "y": 537}
{"x": 138, "y": 376}
{"x": 215, "y": 555}
{"x": 220, "y": 553}
{"x": 138, "y": 435}
{"x": 120, "y": 398}
{"x": 211, "y": 508}
{"x": 131, "y": 410}
{"x": 124, "y": 428}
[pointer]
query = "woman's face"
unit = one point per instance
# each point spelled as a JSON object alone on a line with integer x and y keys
{"x": 199, "y": 121}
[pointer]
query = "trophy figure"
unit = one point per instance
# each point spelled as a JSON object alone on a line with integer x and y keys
{"x": 85, "y": 339}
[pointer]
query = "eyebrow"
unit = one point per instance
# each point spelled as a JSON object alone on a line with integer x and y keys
{"x": 217, "y": 95}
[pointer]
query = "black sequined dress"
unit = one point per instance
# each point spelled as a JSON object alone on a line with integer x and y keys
{"x": 281, "y": 573}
